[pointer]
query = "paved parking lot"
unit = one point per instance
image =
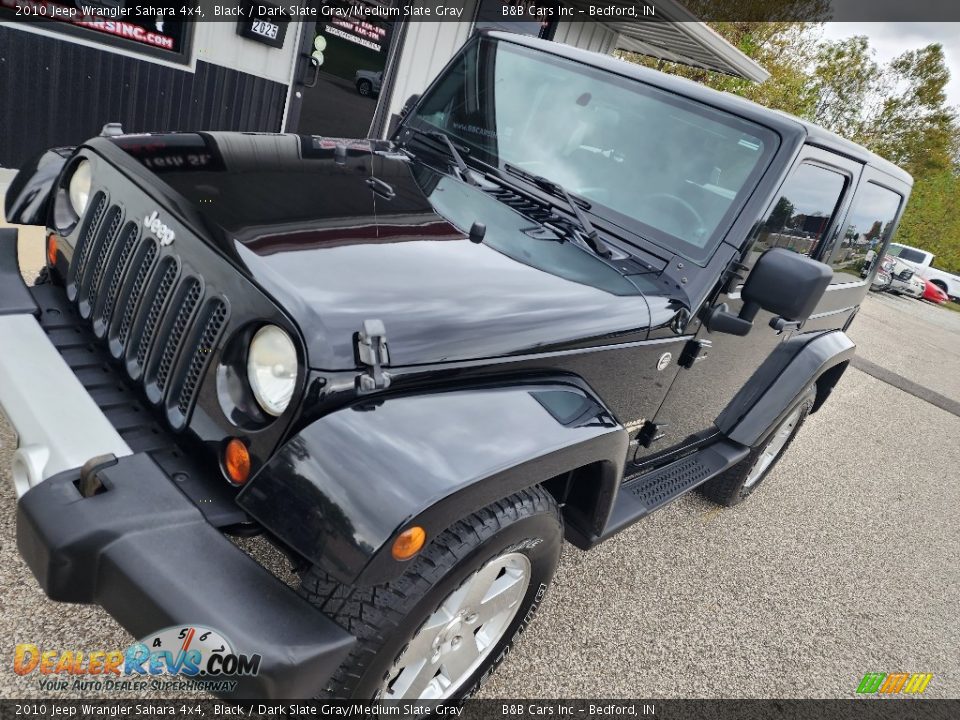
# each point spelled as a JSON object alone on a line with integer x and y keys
{"x": 846, "y": 562}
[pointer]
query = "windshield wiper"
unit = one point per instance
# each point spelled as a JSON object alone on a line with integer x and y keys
{"x": 465, "y": 172}
{"x": 587, "y": 232}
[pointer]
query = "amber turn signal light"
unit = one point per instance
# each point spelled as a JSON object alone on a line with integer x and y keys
{"x": 409, "y": 543}
{"x": 52, "y": 249}
{"x": 236, "y": 461}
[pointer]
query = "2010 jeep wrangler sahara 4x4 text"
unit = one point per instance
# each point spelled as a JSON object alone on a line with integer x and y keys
{"x": 566, "y": 292}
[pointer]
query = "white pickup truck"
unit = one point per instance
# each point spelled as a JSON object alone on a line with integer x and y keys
{"x": 922, "y": 262}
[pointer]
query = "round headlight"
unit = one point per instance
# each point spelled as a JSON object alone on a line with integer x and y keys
{"x": 272, "y": 369}
{"x": 79, "y": 187}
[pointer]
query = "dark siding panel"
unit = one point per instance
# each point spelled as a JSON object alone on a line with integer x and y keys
{"x": 54, "y": 92}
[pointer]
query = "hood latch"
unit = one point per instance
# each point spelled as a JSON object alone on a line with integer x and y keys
{"x": 371, "y": 343}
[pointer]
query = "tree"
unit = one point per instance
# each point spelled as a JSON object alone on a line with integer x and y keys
{"x": 931, "y": 220}
{"x": 846, "y": 87}
{"x": 780, "y": 215}
{"x": 782, "y": 48}
{"x": 914, "y": 127}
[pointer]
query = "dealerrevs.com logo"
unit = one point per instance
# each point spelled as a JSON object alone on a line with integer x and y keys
{"x": 195, "y": 656}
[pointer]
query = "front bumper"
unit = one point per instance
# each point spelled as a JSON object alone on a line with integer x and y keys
{"x": 58, "y": 424}
{"x": 140, "y": 547}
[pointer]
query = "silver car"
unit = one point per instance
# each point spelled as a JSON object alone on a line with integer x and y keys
{"x": 368, "y": 82}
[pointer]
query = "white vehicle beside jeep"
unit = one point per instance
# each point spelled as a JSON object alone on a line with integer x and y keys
{"x": 921, "y": 262}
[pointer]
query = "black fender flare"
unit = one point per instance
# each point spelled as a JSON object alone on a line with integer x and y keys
{"x": 29, "y": 195}
{"x": 339, "y": 492}
{"x": 789, "y": 371}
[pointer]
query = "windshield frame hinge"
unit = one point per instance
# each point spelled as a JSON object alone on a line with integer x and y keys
{"x": 374, "y": 354}
{"x": 696, "y": 350}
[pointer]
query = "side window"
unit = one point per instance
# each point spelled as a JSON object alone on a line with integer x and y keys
{"x": 801, "y": 216}
{"x": 869, "y": 226}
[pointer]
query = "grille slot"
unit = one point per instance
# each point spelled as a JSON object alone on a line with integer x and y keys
{"x": 171, "y": 335}
{"x": 131, "y": 294}
{"x": 103, "y": 312}
{"x": 98, "y": 208}
{"x": 100, "y": 251}
{"x": 151, "y": 309}
{"x": 203, "y": 340}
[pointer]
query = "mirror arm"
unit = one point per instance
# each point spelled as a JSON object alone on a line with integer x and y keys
{"x": 749, "y": 310}
{"x": 720, "y": 319}
{"x": 780, "y": 324}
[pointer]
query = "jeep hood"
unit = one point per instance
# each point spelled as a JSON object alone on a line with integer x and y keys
{"x": 342, "y": 236}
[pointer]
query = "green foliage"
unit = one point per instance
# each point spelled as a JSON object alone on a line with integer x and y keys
{"x": 931, "y": 220}
{"x": 897, "y": 110}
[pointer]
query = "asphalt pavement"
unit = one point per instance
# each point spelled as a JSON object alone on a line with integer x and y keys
{"x": 844, "y": 562}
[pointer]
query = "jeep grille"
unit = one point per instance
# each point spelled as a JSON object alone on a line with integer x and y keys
{"x": 157, "y": 315}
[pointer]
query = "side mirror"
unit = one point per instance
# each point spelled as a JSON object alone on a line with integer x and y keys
{"x": 787, "y": 284}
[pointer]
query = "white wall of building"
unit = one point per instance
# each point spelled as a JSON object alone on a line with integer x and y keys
{"x": 428, "y": 46}
{"x": 218, "y": 43}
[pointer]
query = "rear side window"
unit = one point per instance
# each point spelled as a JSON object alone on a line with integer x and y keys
{"x": 801, "y": 216}
{"x": 869, "y": 226}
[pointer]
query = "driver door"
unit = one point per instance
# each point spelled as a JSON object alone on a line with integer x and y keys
{"x": 802, "y": 218}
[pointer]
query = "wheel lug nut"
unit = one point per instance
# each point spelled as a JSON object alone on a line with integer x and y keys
{"x": 456, "y": 641}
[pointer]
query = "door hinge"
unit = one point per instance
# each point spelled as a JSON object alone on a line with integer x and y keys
{"x": 650, "y": 433}
{"x": 371, "y": 343}
{"x": 693, "y": 352}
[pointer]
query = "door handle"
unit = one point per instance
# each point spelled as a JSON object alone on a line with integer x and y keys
{"x": 316, "y": 74}
{"x": 384, "y": 190}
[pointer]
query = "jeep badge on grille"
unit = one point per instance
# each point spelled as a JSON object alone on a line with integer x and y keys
{"x": 163, "y": 232}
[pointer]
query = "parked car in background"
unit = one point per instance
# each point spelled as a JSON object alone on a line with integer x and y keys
{"x": 922, "y": 262}
{"x": 895, "y": 276}
{"x": 933, "y": 293}
{"x": 368, "y": 82}
{"x": 907, "y": 282}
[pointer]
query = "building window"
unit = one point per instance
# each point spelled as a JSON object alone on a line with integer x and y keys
{"x": 147, "y": 27}
{"x": 523, "y": 17}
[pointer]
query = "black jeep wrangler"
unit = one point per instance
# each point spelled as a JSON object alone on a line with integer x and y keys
{"x": 567, "y": 291}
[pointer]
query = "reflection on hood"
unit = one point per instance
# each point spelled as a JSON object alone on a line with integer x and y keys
{"x": 339, "y": 232}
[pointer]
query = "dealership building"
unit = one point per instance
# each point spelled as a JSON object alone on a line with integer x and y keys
{"x": 340, "y": 68}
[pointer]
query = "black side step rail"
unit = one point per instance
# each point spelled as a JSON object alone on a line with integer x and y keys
{"x": 641, "y": 494}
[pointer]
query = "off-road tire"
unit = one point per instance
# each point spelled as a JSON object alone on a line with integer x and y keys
{"x": 730, "y": 488}
{"x": 385, "y": 617}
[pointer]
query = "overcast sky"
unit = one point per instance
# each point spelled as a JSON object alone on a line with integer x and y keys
{"x": 889, "y": 39}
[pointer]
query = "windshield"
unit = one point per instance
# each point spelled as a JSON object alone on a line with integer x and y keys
{"x": 672, "y": 170}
